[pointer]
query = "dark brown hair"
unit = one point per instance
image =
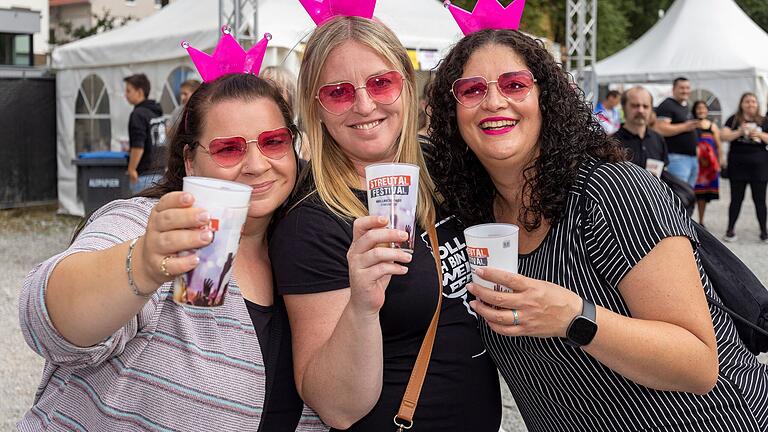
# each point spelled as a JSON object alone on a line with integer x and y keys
{"x": 190, "y": 128}
{"x": 569, "y": 135}
{"x": 139, "y": 82}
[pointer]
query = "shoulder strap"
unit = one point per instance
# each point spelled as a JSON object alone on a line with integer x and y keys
{"x": 404, "y": 418}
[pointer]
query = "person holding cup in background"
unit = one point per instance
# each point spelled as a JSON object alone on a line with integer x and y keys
{"x": 120, "y": 353}
{"x": 747, "y": 162}
{"x": 606, "y": 326}
{"x": 359, "y": 309}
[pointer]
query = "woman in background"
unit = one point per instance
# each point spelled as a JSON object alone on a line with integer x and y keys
{"x": 710, "y": 152}
{"x": 747, "y": 162}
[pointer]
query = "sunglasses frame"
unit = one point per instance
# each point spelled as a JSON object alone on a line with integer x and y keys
{"x": 488, "y": 85}
{"x": 247, "y": 146}
{"x": 356, "y": 88}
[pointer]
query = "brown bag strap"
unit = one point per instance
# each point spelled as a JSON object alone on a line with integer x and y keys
{"x": 404, "y": 417}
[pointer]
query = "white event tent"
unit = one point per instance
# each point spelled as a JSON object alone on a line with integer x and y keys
{"x": 90, "y": 72}
{"x": 711, "y": 42}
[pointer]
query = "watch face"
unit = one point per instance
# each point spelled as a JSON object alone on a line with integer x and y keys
{"x": 582, "y": 331}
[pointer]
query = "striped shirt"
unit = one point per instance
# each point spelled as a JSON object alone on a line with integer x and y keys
{"x": 560, "y": 388}
{"x": 171, "y": 368}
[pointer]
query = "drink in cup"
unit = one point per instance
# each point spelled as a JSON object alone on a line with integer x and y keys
{"x": 227, "y": 203}
{"x": 492, "y": 245}
{"x": 393, "y": 190}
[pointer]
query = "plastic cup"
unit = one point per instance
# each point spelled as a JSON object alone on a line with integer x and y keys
{"x": 227, "y": 203}
{"x": 393, "y": 191}
{"x": 492, "y": 245}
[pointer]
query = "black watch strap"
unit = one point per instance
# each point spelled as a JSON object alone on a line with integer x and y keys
{"x": 588, "y": 310}
{"x": 583, "y": 327}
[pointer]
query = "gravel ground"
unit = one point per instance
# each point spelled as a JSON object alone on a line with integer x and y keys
{"x": 28, "y": 236}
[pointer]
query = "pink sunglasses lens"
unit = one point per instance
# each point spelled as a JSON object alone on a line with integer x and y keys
{"x": 470, "y": 91}
{"x": 275, "y": 144}
{"x": 228, "y": 152}
{"x": 337, "y": 98}
{"x": 516, "y": 85}
{"x": 385, "y": 88}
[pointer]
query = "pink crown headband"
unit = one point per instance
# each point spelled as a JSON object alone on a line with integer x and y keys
{"x": 228, "y": 57}
{"x": 487, "y": 14}
{"x": 323, "y": 10}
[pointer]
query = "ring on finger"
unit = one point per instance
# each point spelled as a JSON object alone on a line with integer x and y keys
{"x": 163, "y": 265}
{"x": 515, "y": 314}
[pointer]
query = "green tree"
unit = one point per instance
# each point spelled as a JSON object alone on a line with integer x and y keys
{"x": 757, "y": 10}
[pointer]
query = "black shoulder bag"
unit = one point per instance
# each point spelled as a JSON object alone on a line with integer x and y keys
{"x": 743, "y": 296}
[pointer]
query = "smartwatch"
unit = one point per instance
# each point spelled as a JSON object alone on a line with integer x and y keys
{"x": 583, "y": 327}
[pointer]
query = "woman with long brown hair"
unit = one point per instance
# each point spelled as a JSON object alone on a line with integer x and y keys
{"x": 120, "y": 353}
{"x": 747, "y": 132}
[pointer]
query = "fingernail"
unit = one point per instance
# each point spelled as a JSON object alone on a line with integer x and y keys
{"x": 478, "y": 271}
{"x": 382, "y": 219}
{"x": 470, "y": 287}
{"x": 404, "y": 269}
{"x": 472, "y": 304}
{"x": 186, "y": 198}
{"x": 408, "y": 257}
{"x": 404, "y": 235}
{"x": 204, "y": 217}
{"x": 197, "y": 260}
{"x": 206, "y": 236}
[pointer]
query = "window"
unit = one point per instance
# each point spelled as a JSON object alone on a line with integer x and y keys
{"x": 92, "y": 123}
{"x": 16, "y": 49}
{"x": 170, "y": 98}
{"x": 713, "y": 103}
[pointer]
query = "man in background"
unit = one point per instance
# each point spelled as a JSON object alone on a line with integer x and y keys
{"x": 647, "y": 148}
{"x": 607, "y": 112}
{"x": 146, "y": 134}
{"x": 675, "y": 122}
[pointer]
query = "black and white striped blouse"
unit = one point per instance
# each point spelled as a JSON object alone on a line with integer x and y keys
{"x": 559, "y": 388}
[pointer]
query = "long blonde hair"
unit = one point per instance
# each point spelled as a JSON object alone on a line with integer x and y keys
{"x": 333, "y": 173}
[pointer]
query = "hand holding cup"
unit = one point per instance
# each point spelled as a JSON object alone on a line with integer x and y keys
{"x": 371, "y": 264}
{"x": 174, "y": 226}
{"x": 542, "y": 309}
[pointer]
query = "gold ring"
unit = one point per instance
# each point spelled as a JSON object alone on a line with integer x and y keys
{"x": 517, "y": 318}
{"x": 163, "y": 264}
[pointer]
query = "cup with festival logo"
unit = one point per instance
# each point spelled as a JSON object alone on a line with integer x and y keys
{"x": 227, "y": 203}
{"x": 393, "y": 190}
{"x": 492, "y": 245}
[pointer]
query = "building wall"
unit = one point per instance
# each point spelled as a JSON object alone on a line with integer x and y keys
{"x": 123, "y": 8}
{"x": 78, "y": 14}
{"x": 40, "y": 39}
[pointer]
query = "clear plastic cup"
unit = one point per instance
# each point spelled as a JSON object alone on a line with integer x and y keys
{"x": 393, "y": 191}
{"x": 227, "y": 203}
{"x": 492, "y": 245}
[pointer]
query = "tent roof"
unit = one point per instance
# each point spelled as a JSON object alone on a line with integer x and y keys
{"x": 158, "y": 36}
{"x": 700, "y": 39}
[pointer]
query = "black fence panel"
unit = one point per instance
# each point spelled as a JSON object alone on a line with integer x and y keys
{"x": 27, "y": 141}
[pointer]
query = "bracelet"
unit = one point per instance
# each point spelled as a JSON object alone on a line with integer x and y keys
{"x": 129, "y": 271}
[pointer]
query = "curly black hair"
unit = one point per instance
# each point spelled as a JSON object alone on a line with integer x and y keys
{"x": 569, "y": 134}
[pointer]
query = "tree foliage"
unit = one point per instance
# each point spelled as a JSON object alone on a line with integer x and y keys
{"x": 103, "y": 22}
{"x": 619, "y": 22}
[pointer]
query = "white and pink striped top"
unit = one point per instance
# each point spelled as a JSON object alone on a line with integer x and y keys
{"x": 172, "y": 368}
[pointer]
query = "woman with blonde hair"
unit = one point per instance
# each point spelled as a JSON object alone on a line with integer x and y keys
{"x": 359, "y": 311}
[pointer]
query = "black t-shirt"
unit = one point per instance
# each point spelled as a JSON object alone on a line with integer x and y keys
{"x": 461, "y": 390}
{"x": 742, "y": 144}
{"x": 282, "y": 404}
{"x": 652, "y": 145}
{"x": 686, "y": 142}
{"x": 146, "y": 130}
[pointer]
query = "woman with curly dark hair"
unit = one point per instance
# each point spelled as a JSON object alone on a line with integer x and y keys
{"x": 606, "y": 326}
